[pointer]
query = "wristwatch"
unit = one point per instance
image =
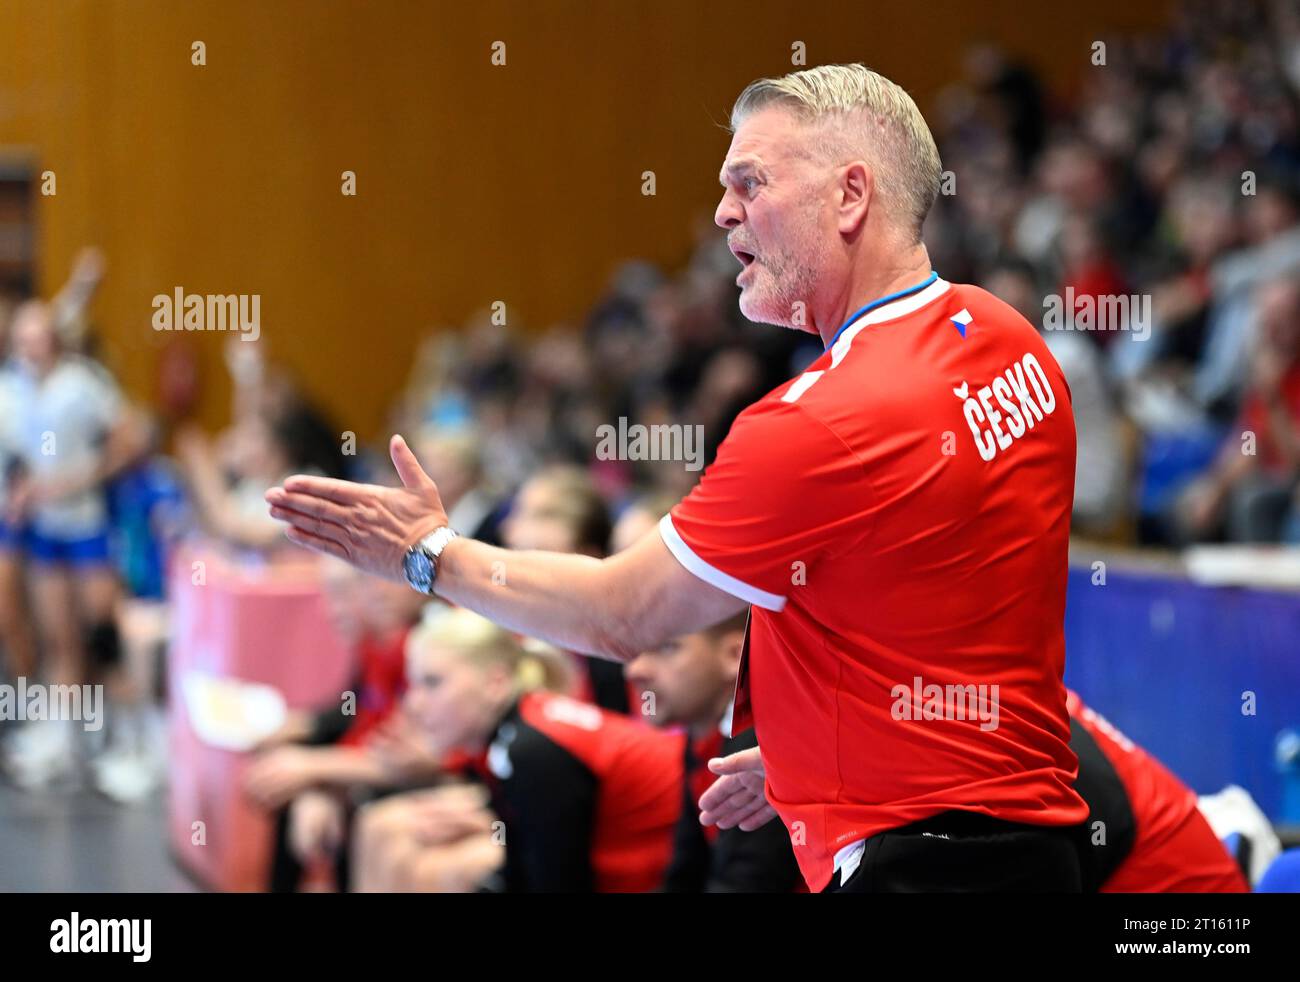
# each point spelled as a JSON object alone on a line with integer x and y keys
{"x": 420, "y": 564}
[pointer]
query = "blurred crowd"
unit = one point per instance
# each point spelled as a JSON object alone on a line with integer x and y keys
{"x": 1170, "y": 177}
{"x": 1162, "y": 198}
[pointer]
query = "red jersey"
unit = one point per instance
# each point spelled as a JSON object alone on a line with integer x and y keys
{"x": 1174, "y": 850}
{"x": 898, "y": 516}
{"x": 381, "y": 685}
{"x": 589, "y": 797}
{"x": 603, "y": 684}
{"x": 1255, "y": 417}
{"x": 698, "y": 776}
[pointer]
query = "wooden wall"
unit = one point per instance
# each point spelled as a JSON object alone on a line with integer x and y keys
{"x": 475, "y": 182}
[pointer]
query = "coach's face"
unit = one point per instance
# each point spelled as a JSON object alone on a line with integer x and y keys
{"x": 776, "y": 209}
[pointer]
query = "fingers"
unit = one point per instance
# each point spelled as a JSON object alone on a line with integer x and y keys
{"x": 736, "y": 798}
{"x": 343, "y": 492}
{"x": 408, "y": 468}
{"x": 319, "y": 517}
{"x": 317, "y": 543}
{"x": 733, "y": 798}
{"x": 758, "y": 819}
{"x": 307, "y": 504}
{"x": 303, "y": 510}
{"x": 314, "y": 527}
{"x": 745, "y": 812}
{"x": 720, "y": 793}
{"x": 743, "y": 760}
{"x": 735, "y": 811}
{"x": 717, "y": 794}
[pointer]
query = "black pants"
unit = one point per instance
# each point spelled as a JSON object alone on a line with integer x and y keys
{"x": 964, "y": 852}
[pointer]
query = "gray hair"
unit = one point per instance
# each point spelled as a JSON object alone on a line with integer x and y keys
{"x": 859, "y": 113}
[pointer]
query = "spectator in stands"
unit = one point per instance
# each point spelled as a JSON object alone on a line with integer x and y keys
{"x": 689, "y": 682}
{"x": 1101, "y": 475}
{"x": 455, "y": 456}
{"x": 1249, "y": 492}
{"x": 560, "y": 510}
{"x": 1200, "y": 216}
{"x": 1090, "y": 273}
{"x": 258, "y": 453}
{"x": 274, "y": 431}
{"x": 640, "y": 516}
{"x": 1272, "y": 251}
{"x": 1172, "y": 176}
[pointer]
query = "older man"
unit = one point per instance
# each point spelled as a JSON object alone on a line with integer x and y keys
{"x": 897, "y": 518}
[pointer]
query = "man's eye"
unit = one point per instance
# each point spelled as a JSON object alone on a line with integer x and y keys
{"x": 750, "y": 183}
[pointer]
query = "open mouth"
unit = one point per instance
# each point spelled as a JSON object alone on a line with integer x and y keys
{"x": 745, "y": 256}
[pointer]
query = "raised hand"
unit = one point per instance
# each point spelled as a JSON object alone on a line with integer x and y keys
{"x": 367, "y": 525}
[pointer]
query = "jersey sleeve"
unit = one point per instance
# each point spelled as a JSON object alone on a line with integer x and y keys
{"x": 783, "y": 491}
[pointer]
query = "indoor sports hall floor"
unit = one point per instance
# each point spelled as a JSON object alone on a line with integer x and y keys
{"x": 78, "y": 841}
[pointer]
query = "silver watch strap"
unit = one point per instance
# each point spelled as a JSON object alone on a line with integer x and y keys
{"x": 433, "y": 544}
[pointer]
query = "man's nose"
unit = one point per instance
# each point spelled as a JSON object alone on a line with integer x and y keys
{"x": 729, "y": 213}
{"x": 635, "y": 670}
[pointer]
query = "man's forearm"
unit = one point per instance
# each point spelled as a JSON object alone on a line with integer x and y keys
{"x": 614, "y": 608}
{"x": 574, "y": 602}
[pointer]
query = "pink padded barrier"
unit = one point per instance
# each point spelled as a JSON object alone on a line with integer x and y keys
{"x": 267, "y": 624}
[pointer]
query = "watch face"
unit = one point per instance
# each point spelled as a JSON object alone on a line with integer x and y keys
{"x": 419, "y": 569}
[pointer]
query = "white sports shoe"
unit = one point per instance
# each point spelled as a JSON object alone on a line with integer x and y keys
{"x": 135, "y": 763}
{"x": 126, "y": 776}
{"x": 41, "y": 754}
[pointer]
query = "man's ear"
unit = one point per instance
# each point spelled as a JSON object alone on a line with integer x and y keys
{"x": 729, "y": 647}
{"x": 857, "y": 188}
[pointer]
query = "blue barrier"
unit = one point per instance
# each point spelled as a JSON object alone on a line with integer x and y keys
{"x": 1168, "y": 662}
